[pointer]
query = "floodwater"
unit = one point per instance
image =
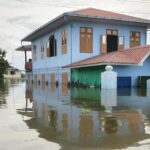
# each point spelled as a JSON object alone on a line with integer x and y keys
{"x": 39, "y": 117}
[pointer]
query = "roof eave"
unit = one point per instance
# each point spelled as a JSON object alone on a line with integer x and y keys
{"x": 101, "y": 64}
{"x": 53, "y": 24}
{"x": 24, "y": 48}
{"x": 144, "y": 58}
{"x": 32, "y": 35}
{"x": 142, "y": 23}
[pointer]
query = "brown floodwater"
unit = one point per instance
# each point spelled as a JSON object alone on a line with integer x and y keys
{"x": 46, "y": 117}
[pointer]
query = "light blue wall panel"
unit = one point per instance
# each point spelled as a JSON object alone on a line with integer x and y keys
{"x": 57, "y": 61}
{"x": 73, "y": 42}
{"x": 98, "y": 30}
{"x": 134, "y": 71}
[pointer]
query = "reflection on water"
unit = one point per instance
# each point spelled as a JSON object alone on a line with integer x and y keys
{"x": 16, "y": 116}
{"x": 81, "y": 118}
{"x": 3, "y": 94}
{"x": 4, "y": 90}
{"x": 109, "y": 99}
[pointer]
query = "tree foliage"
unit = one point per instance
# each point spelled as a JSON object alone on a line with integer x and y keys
{"x": 3, "y": 62}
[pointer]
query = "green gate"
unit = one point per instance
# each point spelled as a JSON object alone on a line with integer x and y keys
{"x": 90, "y": 76}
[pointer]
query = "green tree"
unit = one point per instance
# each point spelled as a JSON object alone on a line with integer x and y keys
{"x": 3, "y": 62}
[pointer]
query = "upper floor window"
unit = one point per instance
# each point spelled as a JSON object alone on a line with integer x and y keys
{"x": 51, "y": 47}
{"x": 135, "y": 38}
{"x": 64, "y": 42}
{"x": 111, "y": 41}
{"x": 34, "y": 52}
{"x": 42, "y": 49}
{"x": 86, "y": 40}
{"x": 12, "y": 72}
{"x": 112, "y": 32}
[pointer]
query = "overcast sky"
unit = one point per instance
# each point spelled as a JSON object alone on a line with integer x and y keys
{"x": 20, "y": 17}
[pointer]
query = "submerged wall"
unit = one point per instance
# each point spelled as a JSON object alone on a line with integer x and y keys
{"x": 90, "y": 76}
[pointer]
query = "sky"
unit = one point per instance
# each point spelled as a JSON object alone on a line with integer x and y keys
{"x": 18, "y": 18}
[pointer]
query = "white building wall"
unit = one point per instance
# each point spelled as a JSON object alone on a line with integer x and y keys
{"x": 17, "y": 75}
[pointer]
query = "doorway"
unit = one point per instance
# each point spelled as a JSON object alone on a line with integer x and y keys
{"x": 112, "y": 40}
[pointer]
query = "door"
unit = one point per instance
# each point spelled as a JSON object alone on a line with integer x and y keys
{"x": 112, "y": 43}
{"x": 124, "y": 82}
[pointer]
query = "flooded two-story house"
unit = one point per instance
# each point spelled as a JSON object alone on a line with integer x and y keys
{"x": 76, "y": 46}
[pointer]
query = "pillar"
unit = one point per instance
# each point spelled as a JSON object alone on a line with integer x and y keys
{"x": 109, "y": 78}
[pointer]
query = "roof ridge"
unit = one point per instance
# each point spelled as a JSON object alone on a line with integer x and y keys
{"x": 107, "y": 11}
{"x": 93, "y": 14}
{"x": 137, "y": 47}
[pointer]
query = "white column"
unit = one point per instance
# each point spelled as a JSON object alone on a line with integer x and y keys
{"x": 109, "y": 78}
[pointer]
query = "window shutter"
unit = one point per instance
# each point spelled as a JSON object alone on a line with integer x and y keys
{"x": 89, "y": 41}
{"x": 52, "y": 78}
{"x": 43, "y": 81}
{"x": 82, "y": 42}
{"x": 120, "y": 43}
{"x": 34, "y": 52}
{"x": 86, "y": 40}
{"x": 55, "y": 47}
{"x": 64, "y": 42}
{"x": 135, "y": 39}
{"x": 64, "y": 83}
{"x": 103, "y": 44}
{"x": 64, "y": 78}
{"x": 64, "y": 89}
{"x": 52, "y": 82}
{"x": 42, "y": 49}
{"x": 47, "y": 49}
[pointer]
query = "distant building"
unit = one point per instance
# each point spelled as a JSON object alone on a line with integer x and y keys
{"x": 12, "y": 73}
